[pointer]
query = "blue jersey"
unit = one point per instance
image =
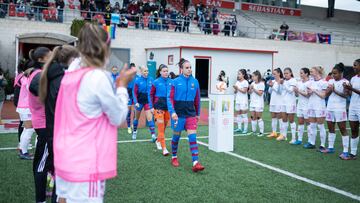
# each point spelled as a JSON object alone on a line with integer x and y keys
{"x": 141, "y": 90}
{"x": 158, "y": 93}
{"x": 184, "y": 97}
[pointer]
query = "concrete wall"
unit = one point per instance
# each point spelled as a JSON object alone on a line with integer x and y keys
{"x": 321, "y": 13}
{"x": 292, "y": 54}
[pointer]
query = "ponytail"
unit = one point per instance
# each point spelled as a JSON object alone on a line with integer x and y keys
{"x": 159, "y": 70}
{"x": 289, "y": 69}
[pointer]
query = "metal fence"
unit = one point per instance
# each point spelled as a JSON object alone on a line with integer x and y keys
{"x": 150, "y": 22}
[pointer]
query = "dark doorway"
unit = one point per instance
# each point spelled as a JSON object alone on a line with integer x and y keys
{"x": 202, "y": 75}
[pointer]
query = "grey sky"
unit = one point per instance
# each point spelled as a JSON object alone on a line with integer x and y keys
{"x": 351, "y": 5}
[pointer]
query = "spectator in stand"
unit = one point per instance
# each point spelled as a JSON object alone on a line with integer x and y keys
{"x": 38, "y": 10}
{"x": 216, "y": 27}
{"x": 186, "y": 5}
{"x": 60, "y": 9}
{"x": 116, "y": 8}
{"x": 214, "y": 13}
{"x": 100, "y": 5}
{"x": 107, "y": 15}
{"x": 233, "y": 26}
{"x": 29, "y": 10}
{"x": 179, "y": 22}
{"x": 20, "y": 7}
{"x": 84, "y": 5}
{"x": 173, "y": 16}
{"x": 165, "y": 22}
{"x": 126, "y": 3}
{"x": 201, "y": 23}
{"x": 227, "y": 27}
{"x": 186, "y": 23}
{"x": 93, "y": 9}
{"x": 123, "y": 22}
{"x": 207, "y": 29}
{"x": 163, "y": 4}
{"x": 284, "y": 29}
{"x": 191, "y": 11}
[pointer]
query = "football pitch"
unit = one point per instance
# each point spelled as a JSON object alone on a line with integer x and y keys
{"x": 258, "y": 170}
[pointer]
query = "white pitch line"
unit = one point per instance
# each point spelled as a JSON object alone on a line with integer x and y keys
{"x": 293, "y": 175}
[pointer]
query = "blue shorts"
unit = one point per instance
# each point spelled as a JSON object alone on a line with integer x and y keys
{"x": 141, "y": 106}
{"x": 184, "y": 124}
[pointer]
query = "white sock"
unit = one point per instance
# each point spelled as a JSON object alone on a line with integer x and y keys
{"x": 331, "y": 138}
{"x": 246, "y": 121}
{"x": 274, "y": 124}
{"x": 285, "y": 128}
{"x": 239, "y": 121}
{"x": 345, "y": 141}
{"x": 253, "y": 125}
{"x": 293, "y": 131}
{"x": 309, "y": 130}
{"x": 261, "y": 125}
{"x": 301, "y": 132}
{"x": 313, "y": 133}
{"x": 354, "y": 144}
{"x": 25, "y": 139}
{"x": 322, "y": 134}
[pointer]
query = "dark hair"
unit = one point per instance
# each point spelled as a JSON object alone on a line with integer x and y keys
{"x": 357, "y": 61}
{"x": 222, "y": 73}
{"x": 289, "y": 69}
{"x": 278, "y": 70}
{"x": 306, "y": 71}
{"x": 172, "y": 75}
{"x": 159, "y": 69}
{"x": 38, "y": 53}
{"x": 339, "y": 67}
{"x": 62, "y": 55}
{"x": 258, "y": 74}
{"x": 181, "y": 62}
{"x": 243, "y": 71}
{"x": 132, "y": 65}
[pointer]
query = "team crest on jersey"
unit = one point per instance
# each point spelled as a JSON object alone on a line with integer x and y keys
{"x": 192, "y": 85}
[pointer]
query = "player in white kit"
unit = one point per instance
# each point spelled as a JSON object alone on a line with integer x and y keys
{"x": 288, "y": 107}
{"x": 316, "y": 107}
{"x": 275, "y": 101}
{"x": 354, "y": 112}
{"x": 302, "y": 105}
{"x": 241, "y": 101}
{"x": 336, "y": 108}
{"x": 256, "y": 91}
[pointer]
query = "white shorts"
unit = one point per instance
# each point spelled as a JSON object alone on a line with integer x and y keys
{"x": 256, "y": 109}
{"x": 336, "y": 116}
{"x": 288, "y": 109}
{"x": 302, "y": 113}
{"x": 275, "y": 108}
{"x": 77, "y": 192}
{"x": 354, "y": 115}
{"x": 241, "y": 107}
{"x": 25, "y": 117}
{"x": 316, "y": 113}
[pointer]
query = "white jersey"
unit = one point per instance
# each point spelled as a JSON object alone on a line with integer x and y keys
{"x": 316, "y": 102}
{"x": 355, "y": 98}
{"x": 241, "y": 98}
{"x": 335, "y": 102}
{"x": 255, "y": 99}
{"x": 276, "y": 97}
{"x": 303, "y": 101}
{"x": 289, "y": 97}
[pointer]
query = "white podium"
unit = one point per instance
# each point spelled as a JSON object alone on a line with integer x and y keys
{"x": 221, "y": 122}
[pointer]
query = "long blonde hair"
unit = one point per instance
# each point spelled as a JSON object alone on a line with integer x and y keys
{"x": 61, "y": 54}
{"x": 94, "y": 45}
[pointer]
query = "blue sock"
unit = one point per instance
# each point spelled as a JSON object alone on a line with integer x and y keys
{"x": 152, "y": 127}
{"x": 174, "y": 144}
{"x": 135, "y": 124}
{"x": 193, "y": 147}
{"x": 128, "y": 119}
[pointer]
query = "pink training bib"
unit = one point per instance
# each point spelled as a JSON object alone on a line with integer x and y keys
{"x": 85, "y": 149}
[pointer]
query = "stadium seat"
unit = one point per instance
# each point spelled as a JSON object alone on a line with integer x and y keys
{"x": 12, "y": 10}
